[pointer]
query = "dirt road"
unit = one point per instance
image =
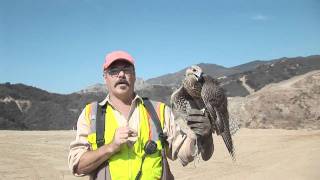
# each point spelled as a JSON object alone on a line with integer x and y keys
{"x": 261, "y": 154}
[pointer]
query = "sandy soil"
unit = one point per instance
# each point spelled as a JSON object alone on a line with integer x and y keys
{"x": 261, "y": 154}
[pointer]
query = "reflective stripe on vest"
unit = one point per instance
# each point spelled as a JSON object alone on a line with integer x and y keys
{"x": 126, "y": 163}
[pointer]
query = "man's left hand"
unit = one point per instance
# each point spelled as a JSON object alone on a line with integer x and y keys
{"x": 199, "y": 124}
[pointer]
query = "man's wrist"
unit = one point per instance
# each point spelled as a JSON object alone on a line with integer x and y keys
{"x": 112, "y": 148}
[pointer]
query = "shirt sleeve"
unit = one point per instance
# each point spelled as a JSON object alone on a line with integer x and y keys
{"x": 80, "y": 145}
{"x": 181, "y": 139}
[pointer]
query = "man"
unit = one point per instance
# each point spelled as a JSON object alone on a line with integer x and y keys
{"x": 129, "y": 128}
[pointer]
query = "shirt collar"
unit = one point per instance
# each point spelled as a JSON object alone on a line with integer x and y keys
{"x": 136, "y": 99}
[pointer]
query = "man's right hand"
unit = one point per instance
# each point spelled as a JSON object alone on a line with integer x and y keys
{"x": 121, "y": 136}
{"x": 90, "y": 160}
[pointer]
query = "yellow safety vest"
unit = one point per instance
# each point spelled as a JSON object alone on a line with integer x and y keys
{"x": 126, "y": 163}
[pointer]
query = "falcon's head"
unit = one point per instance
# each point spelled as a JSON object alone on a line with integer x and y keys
{"x": 194, "y": 72}
{"x": 193, "y": 81}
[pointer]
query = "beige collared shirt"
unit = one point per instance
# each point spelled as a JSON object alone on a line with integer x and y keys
{"x": 181, "y": 143}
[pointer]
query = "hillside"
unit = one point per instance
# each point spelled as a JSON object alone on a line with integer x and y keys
{"x": 174, "y": 79}
{"x": 254, "y": 75}
{"x": 28, "y": 108}
{"x": 282, "y": 69}
{"x": 289, "y": 104}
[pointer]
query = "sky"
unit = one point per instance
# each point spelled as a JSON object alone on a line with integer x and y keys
{"x": 60, "y": 45}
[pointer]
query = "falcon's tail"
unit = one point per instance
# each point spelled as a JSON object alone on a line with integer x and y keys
{"x": 226, "y": 136}
{"x": 221, "y": 125}
{"x": 223, "y": 122}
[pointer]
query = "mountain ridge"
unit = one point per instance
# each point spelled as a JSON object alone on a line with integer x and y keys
{"x": 25, "y": 107}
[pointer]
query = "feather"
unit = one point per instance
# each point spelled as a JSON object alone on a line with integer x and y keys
{"x": 198, "y": 92}
{"x": 217, "y": 105}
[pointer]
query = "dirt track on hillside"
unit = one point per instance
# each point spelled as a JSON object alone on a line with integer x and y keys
{"x": 261, "y": 154}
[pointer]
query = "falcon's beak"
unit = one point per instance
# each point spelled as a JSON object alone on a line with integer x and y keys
{"x": 199, "y": 76}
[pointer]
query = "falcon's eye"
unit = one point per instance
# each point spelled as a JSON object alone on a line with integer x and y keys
{"x": 194, "y": 70}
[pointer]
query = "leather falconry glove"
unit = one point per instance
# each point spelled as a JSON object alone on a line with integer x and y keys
{"x": 199, "y": 122}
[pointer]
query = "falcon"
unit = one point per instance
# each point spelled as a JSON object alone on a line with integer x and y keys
{"x": 201, "y": 93}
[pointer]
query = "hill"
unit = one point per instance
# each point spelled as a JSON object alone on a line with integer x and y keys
{"x": 252, "y": 76}
{"x": 28, "y": 108}
{"x": 174, "y": 79}
{"x": 289, "y": 104}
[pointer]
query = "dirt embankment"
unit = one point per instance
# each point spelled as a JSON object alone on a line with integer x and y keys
{"x": 290, "y": 104}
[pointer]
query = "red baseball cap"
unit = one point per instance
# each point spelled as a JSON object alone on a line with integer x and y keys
{"x": 117, "y": 55}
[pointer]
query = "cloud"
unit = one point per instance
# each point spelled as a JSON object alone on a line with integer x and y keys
{"x": 259, "y": 17}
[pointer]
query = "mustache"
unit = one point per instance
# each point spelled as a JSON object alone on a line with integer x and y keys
{"x": 121, "y": 81}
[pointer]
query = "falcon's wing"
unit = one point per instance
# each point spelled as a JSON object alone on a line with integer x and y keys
{"x": 185, "y": 106}
{"x": 179, "y": 102}
{"x": 216, "y": 104}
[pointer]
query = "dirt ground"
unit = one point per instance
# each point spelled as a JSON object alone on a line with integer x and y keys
{"x": 261, "y": 154}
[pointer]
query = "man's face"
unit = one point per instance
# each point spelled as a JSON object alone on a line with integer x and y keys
{"x": 120, "y": 78}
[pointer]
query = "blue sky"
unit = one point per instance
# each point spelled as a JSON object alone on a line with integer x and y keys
{"x": 60, "y": 45}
